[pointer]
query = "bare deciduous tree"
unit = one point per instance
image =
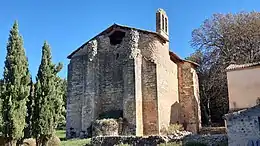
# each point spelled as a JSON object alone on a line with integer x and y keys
{"x": 222, "y": 40}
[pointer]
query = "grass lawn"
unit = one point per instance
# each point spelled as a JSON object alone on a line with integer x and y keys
{"x": 72, "y": 142}
{"x": 75, "y": 142}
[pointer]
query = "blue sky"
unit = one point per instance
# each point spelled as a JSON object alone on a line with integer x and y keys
{"x": 67, "y": 24}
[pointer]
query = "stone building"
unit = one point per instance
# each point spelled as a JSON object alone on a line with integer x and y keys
{"x": 243, "y": 127}
{"x": 243, "y": 85}
{"x": 131, "y": 73}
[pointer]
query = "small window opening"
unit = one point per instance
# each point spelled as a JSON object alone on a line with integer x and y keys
{"x": 162, "y": 22}
{"x": 166, "y": 25}
{"x": 117, "y": 55}
{"x": 114, "y": 114}
{"x": 116, "y": 37}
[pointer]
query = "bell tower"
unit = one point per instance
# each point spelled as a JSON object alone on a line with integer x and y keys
{"x": 162, "y": 26}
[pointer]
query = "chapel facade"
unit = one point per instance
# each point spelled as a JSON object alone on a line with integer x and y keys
{"x": 132, "y": 74}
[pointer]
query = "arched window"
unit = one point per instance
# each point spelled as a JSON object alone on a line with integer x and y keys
{"x": 166, "y": 25}
{"x": 162, "y": 22}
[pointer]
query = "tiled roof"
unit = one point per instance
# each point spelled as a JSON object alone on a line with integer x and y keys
{"x": 241, "y": 66}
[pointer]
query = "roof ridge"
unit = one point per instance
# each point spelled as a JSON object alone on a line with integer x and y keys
{"x": 111, "y": 27}
{"x": 241, "y": 66}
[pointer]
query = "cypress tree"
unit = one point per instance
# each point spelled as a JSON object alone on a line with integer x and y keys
{"x": 1, "y": 101}
{"x": 29, "y": 105}
{"x": 16, "y": 87}
{"x": 47, "y": 98}
{"x": 60, "y": 119}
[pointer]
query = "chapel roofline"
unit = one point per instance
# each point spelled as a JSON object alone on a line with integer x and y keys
{"x": 118, "y": 26}
{"x": 174, "y": 57}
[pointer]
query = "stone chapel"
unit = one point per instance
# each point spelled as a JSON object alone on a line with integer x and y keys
{"x": 131, "y": 73}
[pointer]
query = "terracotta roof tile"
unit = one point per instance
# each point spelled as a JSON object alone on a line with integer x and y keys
{"x": 241, "y": 66}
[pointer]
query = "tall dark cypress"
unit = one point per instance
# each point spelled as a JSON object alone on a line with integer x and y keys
{"x": 16, "y": 83}
{"x": 1, "y": 101}
{"x": 47, "y": 96}
{"x": 29, "y": 115}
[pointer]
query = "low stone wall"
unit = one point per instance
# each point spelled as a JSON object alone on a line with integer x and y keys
{"x": 132, "y": 140}
{"x": 213, "y": 130}
{"x": 210, "y": 140}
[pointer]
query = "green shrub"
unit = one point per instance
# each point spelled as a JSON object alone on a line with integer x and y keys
{"x": 194, "y": 143}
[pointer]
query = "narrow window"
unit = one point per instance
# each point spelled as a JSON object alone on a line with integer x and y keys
{"x": 162, "y": 22}
{"x": 166, "y": 25}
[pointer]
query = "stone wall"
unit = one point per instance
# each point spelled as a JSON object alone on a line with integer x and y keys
{"x": 189, "y": 97}
{"x": 150, "y": 100}
{"x": 243, "y": 128}
{"x": 135, "y": 76}
{"x": 209, "y": 140}
{"x": 138, "y": 93}
{"x": 156, "y": 51}
{"x": 109, "y": 78}
{"x": 75, "y": 92}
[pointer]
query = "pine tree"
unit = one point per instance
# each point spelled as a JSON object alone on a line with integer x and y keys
{"x": 29, "y": 105}
{"x": 16, "y": 84}
{"x": 47, "y": 98}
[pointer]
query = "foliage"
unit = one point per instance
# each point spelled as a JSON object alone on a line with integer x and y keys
{"x": 1, "y": 117}
{"x": 223, "y": 40}
{"x": 29, "y": 115}
{"x": 16, "y": 87}
{"x": 63, "y": 88}
{"x": 172, "y": 129}
{"x": 48, "y": 98}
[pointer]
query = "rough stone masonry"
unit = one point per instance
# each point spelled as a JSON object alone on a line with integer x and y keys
{"x": 130, "y": 73}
